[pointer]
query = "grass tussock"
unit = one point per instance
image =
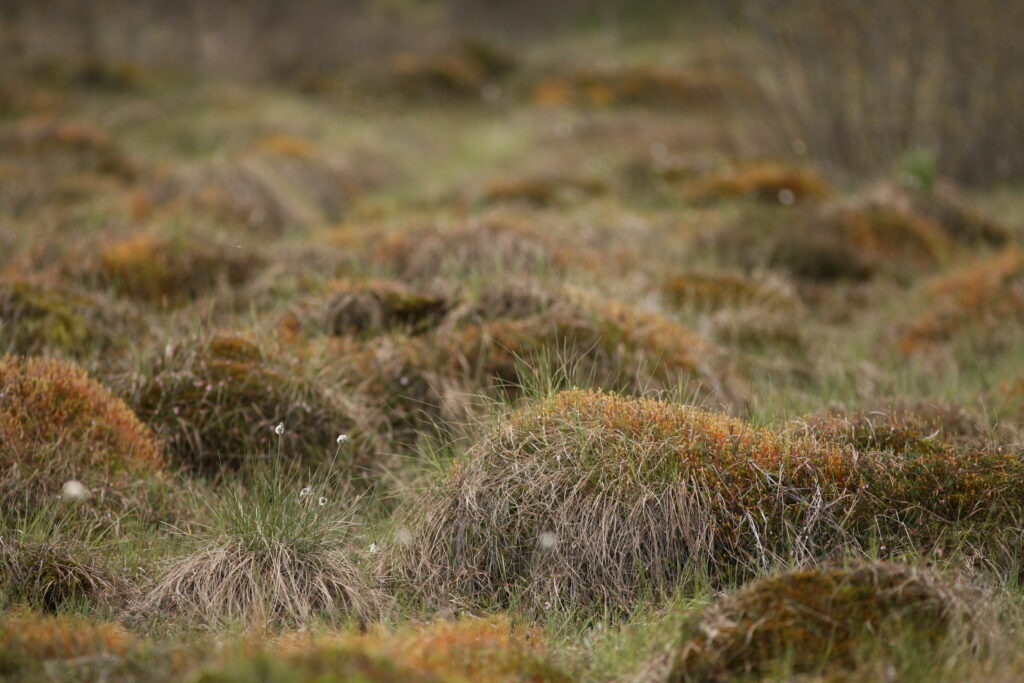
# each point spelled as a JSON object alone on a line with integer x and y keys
{"x": 65, "y": 146}
{"x": 57, "y": 424}
{"x": 277, "y": 552}
{"x": 479, "y": 247}
{"x": 53, "y": 574}
{"x": 821, "y": 620}
{"x": 540, "y": 191}
{"x": 588, "y": 501}
{"x": 216, "y": 402}
{"x": 983, "y": 301}
{"x": 715, "y": 291}
{"x": 464, "y": 71}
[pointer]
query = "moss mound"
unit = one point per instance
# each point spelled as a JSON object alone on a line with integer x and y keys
{"x": 57, "y": 424}
{"x": 540, "y": 191}
{"x": 817, "y": 620}
{"x": 589, "y": 501}
{"x": 36, "y": 319}
{"x": 216, "y": 402}
{"x": 636, "y": 86}
{"x": 982, "y": 302}
{"x": 168, "y": 271}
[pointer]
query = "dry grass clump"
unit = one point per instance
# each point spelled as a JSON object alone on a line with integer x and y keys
{"x": 27, "y": 639}
{"x": 374, "y": 306}
{"x": 541, "y": 190}
{"x": 56, "y": 424}
{"x": 822, "y": 619}
{"x": 984, "y": 301}
{"x": 276, "y": 552}
{"x": 216, "y": 402}
{"x": 168, "y": 271}
{"x": 588, "y": 501}
{"x": 51, "y": 574}
{"x": 767, "y": 182}
{"x": 486, "y": 247}
{"x": 637, "y": 86}
{"x": 714, "y": 291}
{"x": 36, "y": 319}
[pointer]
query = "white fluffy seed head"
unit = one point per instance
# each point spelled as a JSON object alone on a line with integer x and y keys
{"x": 547, "y": 540}
{"x": 342, "y": 438}
{"x": 74, "y": 491}
{"x": 279, "y": 429}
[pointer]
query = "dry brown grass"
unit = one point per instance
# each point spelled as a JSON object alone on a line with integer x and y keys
{"x": 56, "y": 424}
{"x": 637, "y": 86}
{"x": 714, "y": 291}
{"x": 984, "y": 301}
{"x": 540, "y": 190}
{"x": 262, "y": 581}
{"x": 820, "y": 619}
{"x": 589, "y": 501}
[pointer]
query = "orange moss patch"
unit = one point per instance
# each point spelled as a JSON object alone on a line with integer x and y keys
{"x": 983, "y": 300}
{"x": 541, "y": 191}
{"x": 767, "y": 182}
{"x": 717, "y": 494}
{"x": 66, "y": 146}
{"x": 56, "y": 423}
{"x": 489, "y": 649}
{"x": 638, "y": 86}
{"x": 817, "y": 619}
{"x": 27, "y": 638}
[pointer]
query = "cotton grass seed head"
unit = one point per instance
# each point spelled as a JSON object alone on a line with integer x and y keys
{"x": 279, "y": 429}
{"x": 342, "y": 439}
{"x": 74, "y": 491}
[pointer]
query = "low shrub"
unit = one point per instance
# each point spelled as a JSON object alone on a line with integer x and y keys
{"x": 57, "y": 424}
{"x": 816, "y": 620}
{"x": 588, "y": 502}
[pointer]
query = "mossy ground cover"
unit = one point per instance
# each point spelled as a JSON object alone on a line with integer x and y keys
{"x": 495, "y": 361}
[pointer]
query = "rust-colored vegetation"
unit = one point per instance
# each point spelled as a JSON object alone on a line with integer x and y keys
{"x": 57, "y": 424}
{"x": 767, "y": 182}
{"x": 28, "y": 638}
{"x": 982, "y": 302}
{"x": 561, "y": 502}
{"x": 638, "y": 86}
